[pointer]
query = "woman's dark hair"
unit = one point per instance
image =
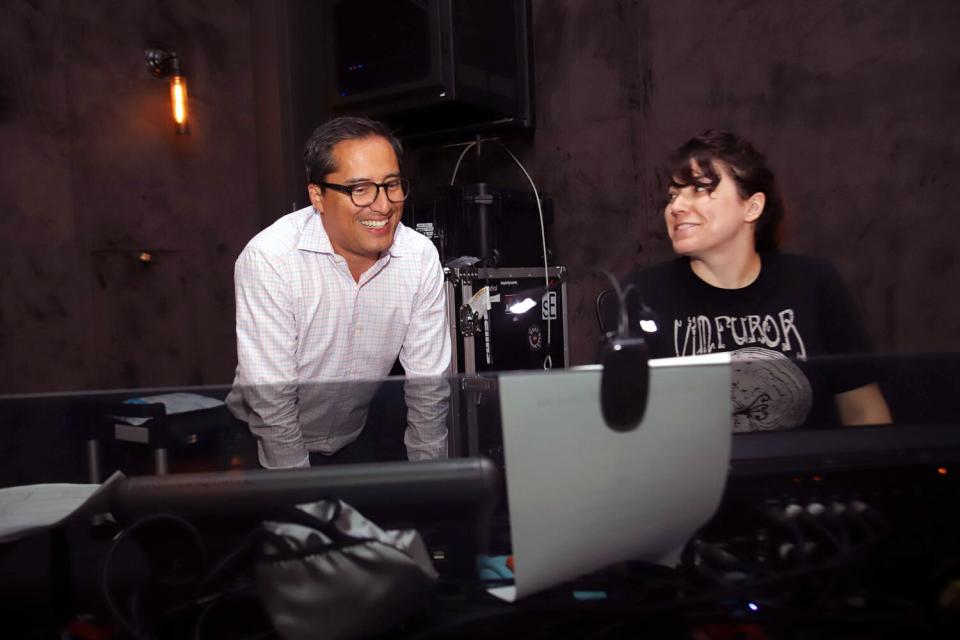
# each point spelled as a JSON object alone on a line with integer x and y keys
{"x": 318, "y": 152}
{"x": 748, "y": 168}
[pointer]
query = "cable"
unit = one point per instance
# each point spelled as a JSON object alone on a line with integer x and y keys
{"x": 548, "y": 360}
{"x": 536, "y": 195}
{"x": 456, "y": 167}
{"x": 246, "y": 546}
{"x": 134, "y": 628}
{"x": 623, "y": 322}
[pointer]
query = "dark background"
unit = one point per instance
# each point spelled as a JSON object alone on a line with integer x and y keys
{"x": 856, "y": 104}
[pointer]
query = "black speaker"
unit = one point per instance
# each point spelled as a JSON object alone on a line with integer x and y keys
{"x": 432, "y": 69}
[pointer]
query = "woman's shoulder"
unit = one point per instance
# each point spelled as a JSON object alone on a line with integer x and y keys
{"x": 674, "y": 268}
{"x": 795, "y": 264}
{"x": 661, "y": 284}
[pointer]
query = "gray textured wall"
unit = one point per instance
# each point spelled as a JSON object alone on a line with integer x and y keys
{"x": 92, "y": 174}
{"x": 855, "y": 102}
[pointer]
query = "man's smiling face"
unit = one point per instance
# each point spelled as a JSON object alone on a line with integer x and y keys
{"x": 359, "y": 234}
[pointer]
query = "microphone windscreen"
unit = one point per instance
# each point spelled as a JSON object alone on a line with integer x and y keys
{"x": 623, "y": 383}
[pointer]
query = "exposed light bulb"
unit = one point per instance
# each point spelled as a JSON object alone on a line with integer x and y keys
{"x": 178, "y": 100}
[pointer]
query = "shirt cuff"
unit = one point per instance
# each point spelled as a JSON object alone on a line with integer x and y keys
{"x": 278, "y": 462}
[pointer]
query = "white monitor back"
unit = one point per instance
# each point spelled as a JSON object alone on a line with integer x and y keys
{"x": 583, "y": 496}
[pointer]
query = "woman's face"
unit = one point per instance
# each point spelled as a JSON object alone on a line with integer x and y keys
{"x": 704, "y": 218}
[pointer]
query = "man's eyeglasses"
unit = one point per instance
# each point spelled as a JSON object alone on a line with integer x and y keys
{"x": 364, "y": 194}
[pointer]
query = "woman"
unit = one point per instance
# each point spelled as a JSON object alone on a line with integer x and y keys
{"x": 731, "y": 290}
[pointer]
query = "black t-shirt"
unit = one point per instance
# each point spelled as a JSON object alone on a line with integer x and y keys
{"x": 798, "y": 308}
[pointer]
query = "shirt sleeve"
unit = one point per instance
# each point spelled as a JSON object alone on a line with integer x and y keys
{"x": 844, "y": 333}
{"x": 425, "y": 356}
{"x": 266, "y": 354}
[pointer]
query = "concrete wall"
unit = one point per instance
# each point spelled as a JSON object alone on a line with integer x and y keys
{"x": 856, "y": 104}
{"x": 92, "y": 175}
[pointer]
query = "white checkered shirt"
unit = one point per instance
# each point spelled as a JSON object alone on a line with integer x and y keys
{"x": 309, "y": 335}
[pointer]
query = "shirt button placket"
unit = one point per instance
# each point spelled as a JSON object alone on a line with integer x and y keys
{"x": 355, "y": 322}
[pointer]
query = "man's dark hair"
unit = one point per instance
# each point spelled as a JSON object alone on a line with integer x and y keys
{"x": 318, "y": 152}
{"x": 748, "y": 168}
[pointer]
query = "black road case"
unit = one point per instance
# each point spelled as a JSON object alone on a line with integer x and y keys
{"x": 504, "y": 319}
{"x": 524, "y": 327}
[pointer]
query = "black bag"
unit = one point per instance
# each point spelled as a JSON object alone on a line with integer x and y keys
{"x": 328, "y": 573}
{"x": 320, "y": 571}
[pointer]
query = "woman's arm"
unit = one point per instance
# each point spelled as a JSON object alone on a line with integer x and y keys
{"x": 863, "y": 405}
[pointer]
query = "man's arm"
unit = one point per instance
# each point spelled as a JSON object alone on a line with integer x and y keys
{"x": 863, "y": 405}
{"x": 266, "y": 353}
{"x": 425, "y": 356}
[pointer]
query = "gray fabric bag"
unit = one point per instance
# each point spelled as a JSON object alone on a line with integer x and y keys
{"x": 328, "y": 573}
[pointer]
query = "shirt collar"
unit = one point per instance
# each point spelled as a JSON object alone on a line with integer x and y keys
{"x": 314, "y": 237}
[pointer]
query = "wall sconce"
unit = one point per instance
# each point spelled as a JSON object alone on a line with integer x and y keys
{"x": 166, "y": 64}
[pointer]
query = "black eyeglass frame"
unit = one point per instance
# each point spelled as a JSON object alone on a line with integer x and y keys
{"x": 349, "y": 188}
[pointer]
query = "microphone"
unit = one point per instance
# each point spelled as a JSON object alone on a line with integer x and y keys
{"x": 624, "y": 381}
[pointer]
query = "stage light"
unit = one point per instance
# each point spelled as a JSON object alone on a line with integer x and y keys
{"x": 163, "y": 63}
{"x": 523, "y": 306}
{"x": 648, "y": 326}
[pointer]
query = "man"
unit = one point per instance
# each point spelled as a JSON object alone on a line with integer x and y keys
{"x": 330, "y": 295}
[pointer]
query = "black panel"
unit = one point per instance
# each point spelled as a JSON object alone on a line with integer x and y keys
{"x": 500, "y": 226}
{"x": 432, "y": 69}
{"x": 381, "y": 45}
